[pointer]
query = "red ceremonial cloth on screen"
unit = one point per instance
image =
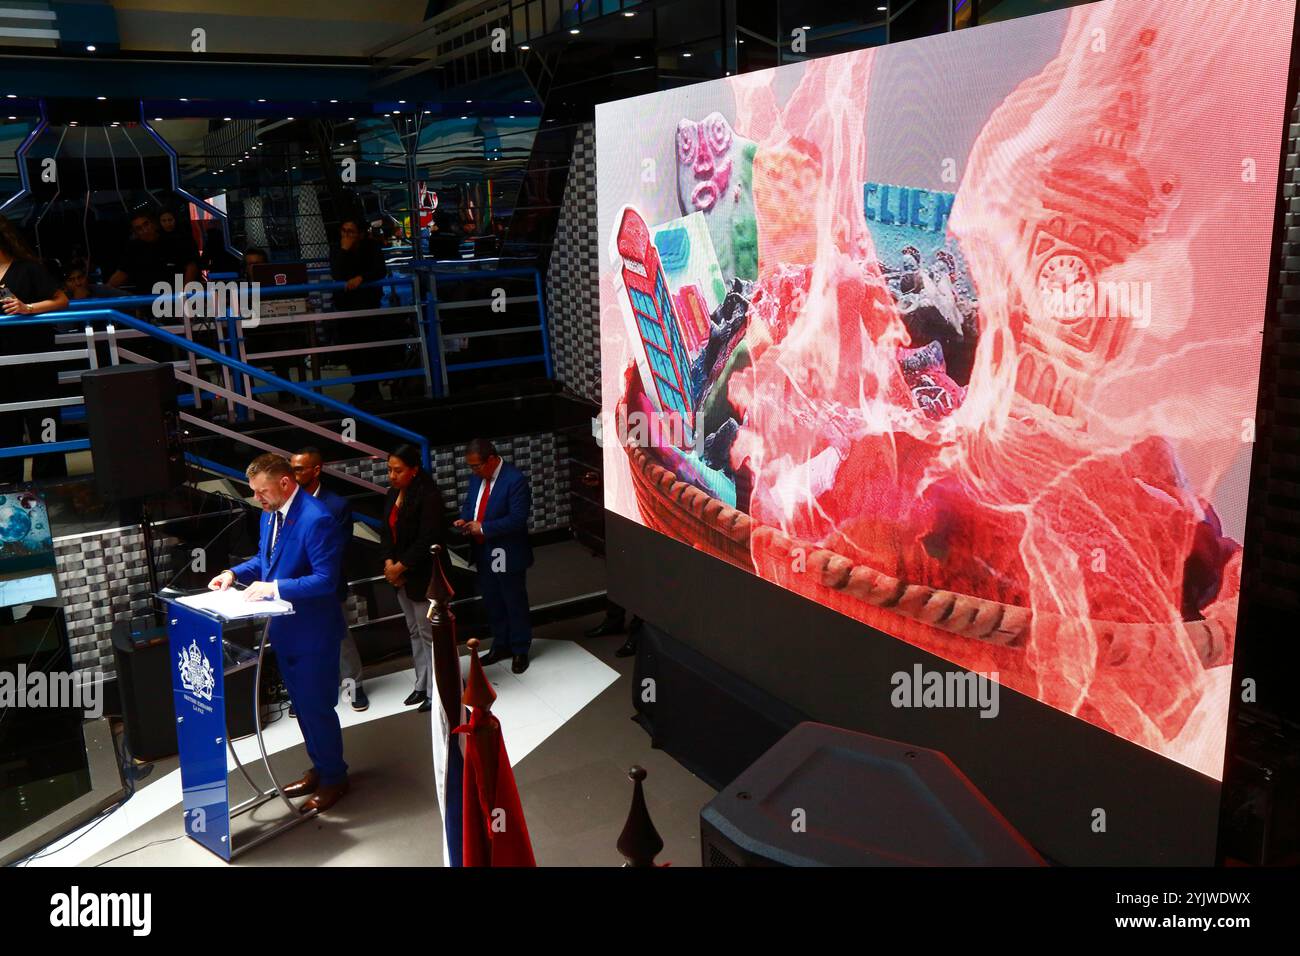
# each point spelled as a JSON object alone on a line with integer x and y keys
{"x": 495, "y": 833}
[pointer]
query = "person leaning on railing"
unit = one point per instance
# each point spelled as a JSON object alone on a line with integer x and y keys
{"x": 358, "y": 259}
{"x": 27, "y": 289}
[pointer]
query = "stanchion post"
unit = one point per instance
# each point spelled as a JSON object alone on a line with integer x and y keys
{"x": 640, "y": 842}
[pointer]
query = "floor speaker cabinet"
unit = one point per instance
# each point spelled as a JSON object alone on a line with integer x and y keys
{"x": 135, "y": 435}
{"x": 824, "y": 796}
{"x": 144, "y": 685}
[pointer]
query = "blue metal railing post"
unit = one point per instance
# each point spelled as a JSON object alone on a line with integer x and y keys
{"x": 541, "y": 320}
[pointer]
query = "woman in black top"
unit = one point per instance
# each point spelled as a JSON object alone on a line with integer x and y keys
{"x": 27, "y": 289}
{"x": 414, "y": 521}
{"x": 355, "y": 260}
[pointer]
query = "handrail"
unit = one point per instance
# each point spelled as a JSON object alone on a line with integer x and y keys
{"x": 281, "y": 384}
{"x": 135, "y": 301}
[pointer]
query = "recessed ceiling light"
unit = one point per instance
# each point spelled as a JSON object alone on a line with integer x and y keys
{"x": 638, "y": 56}
{"x": 575, "y": 31}
{"x": 184, "y": 99}
{"x": 90, "y": 48}
{"x": 333, "y": 101}
{"x": 351, "y": 119}
{"x": 401, "y": 101}
{"x": 157, "y": 119}
{"x": 11, "y": 96}
{"x": 525, "y": 47}
{"x": 225, "y": 119}
{"x": 686, "y": 54}
{"x": 290, "y": 118}
{"x": 101, "y": 98}
{"x": 13, "y": 117}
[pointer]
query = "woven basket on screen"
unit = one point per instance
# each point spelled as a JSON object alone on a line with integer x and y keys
{"x": 694, "y": 517}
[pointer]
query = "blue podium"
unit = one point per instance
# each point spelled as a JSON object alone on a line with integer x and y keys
{"x": 198, "y": 693}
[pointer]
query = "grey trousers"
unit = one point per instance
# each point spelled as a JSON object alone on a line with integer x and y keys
{"x": 421, "y": 632}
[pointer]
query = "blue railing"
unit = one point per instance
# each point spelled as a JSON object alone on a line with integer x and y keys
{"x": 117, "y": 317}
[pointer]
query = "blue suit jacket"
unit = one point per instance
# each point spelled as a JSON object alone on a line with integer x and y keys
{"x": 341, "y": 509}
{"x": 307, "y": 566}
{"x": 505, "y": 525}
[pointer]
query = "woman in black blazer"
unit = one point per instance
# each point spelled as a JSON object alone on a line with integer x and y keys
{"x": 414, "y": 520}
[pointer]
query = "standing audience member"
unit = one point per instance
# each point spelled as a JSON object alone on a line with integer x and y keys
{"x": 495, "y": 517}
{"x": 307, "y": 463}
{"x": 149, "y": 259}
{"x": 26, "y": 289}
{"x": 414, "y": 520}
{"x": 356, "y": 260}
{"x": 178, "y": 236}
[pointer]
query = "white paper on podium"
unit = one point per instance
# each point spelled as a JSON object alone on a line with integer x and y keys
{"x": 231, "y": 605}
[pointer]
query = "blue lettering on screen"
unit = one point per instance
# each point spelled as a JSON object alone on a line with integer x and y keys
{"x": 906, "y": 206}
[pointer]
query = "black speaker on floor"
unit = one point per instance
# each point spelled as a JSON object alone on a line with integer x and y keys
{"x": 144, "y": 665}
{"x": 135, "y": 434}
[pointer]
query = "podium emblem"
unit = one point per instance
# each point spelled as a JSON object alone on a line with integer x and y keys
{"x": 196, "y": 672}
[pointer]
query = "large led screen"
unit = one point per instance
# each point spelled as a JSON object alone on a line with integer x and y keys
{"x": 961, "y": 338}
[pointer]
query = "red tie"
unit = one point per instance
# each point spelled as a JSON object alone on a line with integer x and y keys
{"x": 482, "y": 508}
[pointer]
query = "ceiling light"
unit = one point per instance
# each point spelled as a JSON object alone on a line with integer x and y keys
{"x": 629, "y": 14}
{"x": 333, "y": 101}
{"x": 90, "y": 48}
{"x": 225, "y": 119}
{"x": 575, "y": 31}
{"x": 686, "y": 54}
{"x": 13, "y": 117}
{"x": 157, "y": 119}
{"x": 184, "y": 99}
{"x": 101, "y": 98}
{"x": 525, "y": 47}
{"x": 11, "y": 96}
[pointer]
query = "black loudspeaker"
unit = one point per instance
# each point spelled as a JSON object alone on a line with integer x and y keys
{"x": 131, "y": 415}
{"x": 824, "y": 796}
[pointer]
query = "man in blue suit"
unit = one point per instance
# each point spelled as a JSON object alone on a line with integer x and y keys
{"x": 495, "y": 518}
{"x": 307, "y": 463}
{"x": 298, "y": 560}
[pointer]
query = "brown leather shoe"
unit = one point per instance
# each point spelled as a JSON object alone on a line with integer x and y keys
{"x": 326, "y": 797}
{"x": 308, "y": 784}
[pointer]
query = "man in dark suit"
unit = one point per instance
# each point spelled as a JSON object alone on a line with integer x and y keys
{"x": 495, "y": 518}
{"x": 298, "y": 560}
{"x": 307, "y": 464}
